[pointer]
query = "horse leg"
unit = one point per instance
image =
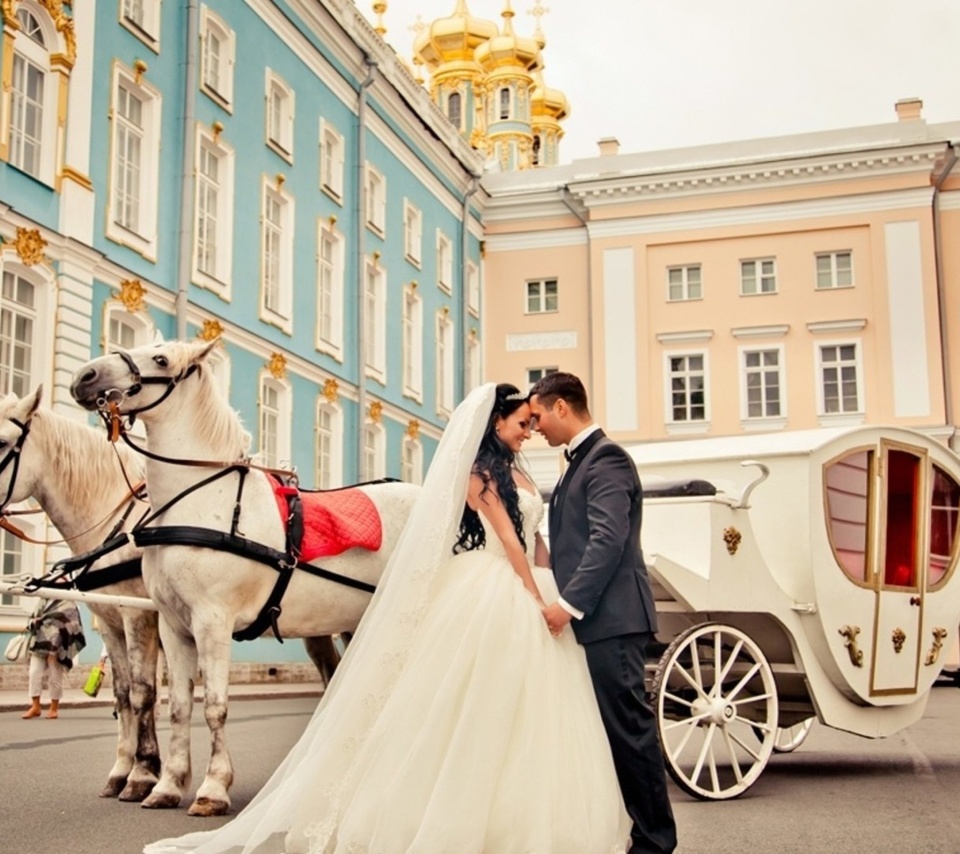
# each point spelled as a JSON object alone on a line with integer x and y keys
{"x": 324, "y": 655}
{"x": 181, "y": 655}
{"x": 126, "y": 732}
{"x": 213, "y": 645}
{"x": 142, "y": 651}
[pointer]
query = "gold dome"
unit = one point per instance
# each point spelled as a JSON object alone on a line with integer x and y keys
{"x": 544, "y": 101}
{"x": 509, "y": 49}
{"x": 453, "y": 39}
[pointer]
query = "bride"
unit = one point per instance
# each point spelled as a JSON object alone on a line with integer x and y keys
{"x": 455, "y": 722}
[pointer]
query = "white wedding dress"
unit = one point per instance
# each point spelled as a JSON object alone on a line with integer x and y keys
{"x": 486, "y": 740}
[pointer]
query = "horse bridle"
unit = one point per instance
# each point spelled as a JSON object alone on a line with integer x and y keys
{"x": 115, "y": 395}
{"x": 13, "y": 456}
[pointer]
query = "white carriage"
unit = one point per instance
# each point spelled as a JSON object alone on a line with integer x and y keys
{"x": 807, "y": 575}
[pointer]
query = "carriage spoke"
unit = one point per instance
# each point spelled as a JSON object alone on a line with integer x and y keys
{"x": 747, "y": 677}
{"x": 752, "y": 699}
{"x": 691, "y": 729}
{"x": 730, "y": 661}
{"x": 698, "y": 688}
{"x": 714, "y": 776}
{"x": 690, "y": 721}
{"x": 676, "y": 699}
{"x": 707, "y": 739}
{"x": 753, "y": 753}
{"x": 717, "y": 661}
{"x": 695, "y": 661}
{"x": 728, "y": 739}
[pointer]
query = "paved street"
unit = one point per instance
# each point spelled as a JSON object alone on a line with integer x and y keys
{"x": 837, "y": 793}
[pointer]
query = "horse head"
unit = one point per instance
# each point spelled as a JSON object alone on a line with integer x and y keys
{"x": 137, "y": 380}
{"x": 16, "y": 483}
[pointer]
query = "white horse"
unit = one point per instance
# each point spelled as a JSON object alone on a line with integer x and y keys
{"x": 205, "y": 595}
{"x": 76, "y": 478}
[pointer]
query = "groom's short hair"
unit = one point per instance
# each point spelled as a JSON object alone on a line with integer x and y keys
{"x": 560, "y": 385}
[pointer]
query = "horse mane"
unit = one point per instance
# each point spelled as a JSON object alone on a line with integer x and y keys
{"x": 85, "y": 459}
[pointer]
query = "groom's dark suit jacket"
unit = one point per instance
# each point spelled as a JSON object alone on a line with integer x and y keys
{"x": 604, "y": 576}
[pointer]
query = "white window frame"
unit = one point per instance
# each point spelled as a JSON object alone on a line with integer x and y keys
{"x": 444, "y": 363}
{"x": 284, "y": 418}
{"x": 139, "y": 323}
{"x": 330, "y": 289}
{"x": 280, "y": 315}
{"x": 500, "y": 106}
{"x": 219, "y": 280}
{"x": 147, "y": 29}
{"x": 412, "y": 356}
{"x": 685, "y": 284}
{"x": 690, "y": 425}
{"x": 762, "y": 421}
{"x": 331, "y": 161}
{"x": 457, "y": 121}
{"x": 332, "y": 476}
{"x": 411, "y": 460}
{"x": 845, "y": 416}
{"x": 376, "y": 200}
{"x": 216, "y": 74}
{"x": 473, "y": 370}
{"x": 759, "y": 276}
{"x": 473, "y": 288}
{"x": 143, "y": 239}
{"x": 835, "y": 270}
{"x": 279, "y": 114}
{"x": 412, "y": 233}
{"x": 375, "y": 299}
{"x": 374, "y": 440}
{"x": 41, "y": 318}
{"x": 444, "y": 262}
{"x": 541, "y": 297}
{"x": 535, "y": 374}
{"x": 31, "y": 53}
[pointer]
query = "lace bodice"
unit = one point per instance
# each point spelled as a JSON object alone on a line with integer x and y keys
{"x": 531, "y": 506}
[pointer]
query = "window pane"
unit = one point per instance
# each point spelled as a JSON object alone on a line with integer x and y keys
{"x": 900, "y": 554}
{"x": 945, "y": 514}
{"x": 847, "y": 482}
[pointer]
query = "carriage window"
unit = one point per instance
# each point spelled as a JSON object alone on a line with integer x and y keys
{"x": 944, "y": 515}
{"x": 848, "y": 504}
{"x": 900, "y": 554}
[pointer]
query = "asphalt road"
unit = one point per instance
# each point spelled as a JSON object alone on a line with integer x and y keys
{"x": 837, "y": 793}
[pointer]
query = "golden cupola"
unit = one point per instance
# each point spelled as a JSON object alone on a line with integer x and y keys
{"x": 453, "y": 39}
{"x": 508, "y": 50}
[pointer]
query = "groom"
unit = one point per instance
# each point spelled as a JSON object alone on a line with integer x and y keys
{"x": 605, "y": 592}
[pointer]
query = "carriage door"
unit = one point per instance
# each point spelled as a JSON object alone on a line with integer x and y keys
{"x": 898, "y": 571}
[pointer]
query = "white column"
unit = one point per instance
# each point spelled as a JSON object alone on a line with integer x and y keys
{"x": 619, "y": 339}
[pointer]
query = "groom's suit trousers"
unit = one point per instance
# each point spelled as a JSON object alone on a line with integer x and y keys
{"x": 617, "y": 669}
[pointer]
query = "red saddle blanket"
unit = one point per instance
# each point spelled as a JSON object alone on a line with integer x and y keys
{"x": 333, "y": 521}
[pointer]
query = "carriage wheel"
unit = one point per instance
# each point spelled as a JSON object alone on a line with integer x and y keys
{"x": 789, "y": 738}
{"x": 716, "y": 699}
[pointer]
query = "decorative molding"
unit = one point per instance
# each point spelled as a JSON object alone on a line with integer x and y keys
{"x": 131, "y": 294}
{"x": 775, "y": 331}
{"x": 375, "y": 412}
{"x": 277, "y": 366}
{"x": 139, "y": 69}
{"x": 62, "y": 22}
{"x": 413, "y": 429}
{"x": 521, "y": 341}
{"x": 548, "y": 239}
{"x": 29, "y": 245}
{"x": 331, "y": 390}
{"x": 853, "y": 325}
{"x": 211, "y": 330}
{"x": 70, "y": 174}
{"x": 695, "y": 335}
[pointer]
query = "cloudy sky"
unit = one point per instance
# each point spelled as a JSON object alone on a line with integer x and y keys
{"x": 668, "y": 73}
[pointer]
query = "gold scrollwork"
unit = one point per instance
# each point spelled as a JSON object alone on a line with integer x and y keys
{"x": 856, "y": 655}
{"x": 131, "y": 294}
{"x": 63, "y": 23}
{"x": 413, "y": 429}
{"x": 29, "y": 245}
{"x": 211, "y": 330}
{"x": 277, "y": 365}
{"x": 331, "y": 390}
{"x": 732, "y": 537}
{"x": 898, "y": 638}
{"x": 938, "y": 635}
{"x": 375, "y": 412}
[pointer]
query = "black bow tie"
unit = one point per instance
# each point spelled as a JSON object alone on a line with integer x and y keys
{"x": 569, "y": 455}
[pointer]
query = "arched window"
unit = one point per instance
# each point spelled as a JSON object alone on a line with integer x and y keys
{"x": 274, "y": 422}
{"x": 18, "y": 334}
{"x": 411, "y": 461}
{"x": 373, "y": 452}
{"x": 536, "y": 150}
{"x": 504, "y": 103}
{"x": 455, "y": 109}
{"x": 329, "y": 445}
{"x": 31, "y": 136}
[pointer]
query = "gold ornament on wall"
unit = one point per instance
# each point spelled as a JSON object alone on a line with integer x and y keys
{"x": 731, "y": 536}
{"x": 131, "y": 294}
{"x": 375, "y": 412}
{"x": 939, "y": 634}
{"x": 277, "y": 366}
{"x": 139, "y": 69}
{"x": 29, "y": 245}
{"x": 331, "y": 390}
{"x": 61, "y": 21}
{"x": 899, "y": 637}
{"x": 211, "y": 330}
{"x": 413, "y": 429}
{"x": 850, "y": 642}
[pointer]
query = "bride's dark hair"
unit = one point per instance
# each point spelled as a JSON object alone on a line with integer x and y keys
{"x": 493, "y": 463}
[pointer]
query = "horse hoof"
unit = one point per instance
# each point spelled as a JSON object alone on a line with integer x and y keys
{"x": 160, "y": 801}
{"x": 137, "y": 790}
{"x": 113, "y": 787}
{"x": 207, "y": 807}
